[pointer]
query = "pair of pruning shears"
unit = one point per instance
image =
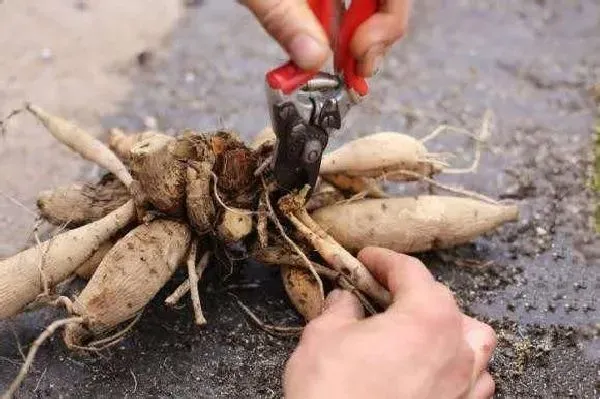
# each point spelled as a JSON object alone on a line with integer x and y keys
{"x": 306, "y": 106}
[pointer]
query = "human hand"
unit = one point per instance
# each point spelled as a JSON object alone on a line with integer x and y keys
{"x": 422, "y": 346}
{"x": 294, "y": 26}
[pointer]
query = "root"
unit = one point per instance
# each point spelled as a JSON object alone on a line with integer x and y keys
{"x": 261, "y": 223}
{"x": 4, "y": 121}
{"x": 111, "y": 340}
{"x": 278, "y": 257}
{"x": 193, "y": 282}
{"x": 42, "y": 254}
{"x": 220, "y": 201}
{"x": 184, "y": 287}
{"x": 275, "y": 220}
{"x": 271, "y": 329}
{"x": 87, "y": 146}
{"x": 333, "y": 253}
{"x": 19, "y": 204}
{"x": 466, "y": 193}
{"x": 34, "y": 348}
{"x": 482, "y": 138}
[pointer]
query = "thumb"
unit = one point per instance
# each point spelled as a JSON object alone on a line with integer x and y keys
{"x": 294, "y": 26}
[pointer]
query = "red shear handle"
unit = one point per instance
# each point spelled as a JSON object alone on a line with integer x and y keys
{"x": 289, "y": 76}
{"x": 359, "y": 12}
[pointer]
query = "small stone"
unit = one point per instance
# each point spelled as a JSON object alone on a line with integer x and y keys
{"x": 189, "y": 77}
{"x": 551, "y": 307}
{"x": 150, "y": 122}
{"x": 144, "y": 57}
{"x": 510, "y": 306}
{"x": 528, "y": 306}
{"x": 570, "y": 308}
{"x": 587, "y": 308}
{"x": 579, "y": 286}
{"x": 46, "y": 54}
{"x": 540, "y": 231}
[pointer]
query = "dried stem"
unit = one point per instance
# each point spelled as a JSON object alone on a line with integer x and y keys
{"x": 34, "y": 348}
{"x": 274, "y": 219}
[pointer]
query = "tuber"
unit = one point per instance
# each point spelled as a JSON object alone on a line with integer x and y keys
{"x": 412, "y": 224}
{"x": 128, "y": 277}
{"x": 24, "y": 276}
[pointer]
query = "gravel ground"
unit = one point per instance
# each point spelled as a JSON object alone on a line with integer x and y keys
{"x": 531, "y": 63}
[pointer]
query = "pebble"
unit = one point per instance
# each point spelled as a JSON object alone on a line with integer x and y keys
{"x": 150, "y": 122}
{"x": 46, "y": 54}
{"x": 541, "y": 231}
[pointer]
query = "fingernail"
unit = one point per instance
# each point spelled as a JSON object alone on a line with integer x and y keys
{"x": 377, "y": 64}
{"x": 333, "y": 297}
{"x": 374, "y": 59}
{"x": 306, "y": 51}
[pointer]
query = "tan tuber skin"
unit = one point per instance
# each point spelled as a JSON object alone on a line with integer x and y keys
{"x": 422, "y": 346}
{"x": 20, "y": 278}
{"x": 379, "y": 154}
{"x": 161, "y": 176}
{"x": 303, "y": 291}
{"x": 411, "y": 225}
{"x": 79, "y": 204}
{"x": 128, "y": 277}
{"x": 82, "y": 143}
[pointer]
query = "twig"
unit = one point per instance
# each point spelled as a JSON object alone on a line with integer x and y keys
{"x": 34, "y": 348}
{"x": 275, "y": 220}
{"x": 185, "y": 286}
{"x": 271, "y": 329}
{"x": 193, "y": 279}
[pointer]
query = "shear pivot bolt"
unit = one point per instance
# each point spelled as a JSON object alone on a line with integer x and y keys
{"x": 312, "y": 151}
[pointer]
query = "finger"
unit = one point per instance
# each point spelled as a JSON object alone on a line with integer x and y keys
{"x": 482, "y": 340}
{"x": 341, "y": 309}
{"x": 483, "y": 388}
{"x": 373, "y": 38}
{"x": 295, "y": 27}
{"x": 343, "y": 305}
{"x": 403, "y": 275}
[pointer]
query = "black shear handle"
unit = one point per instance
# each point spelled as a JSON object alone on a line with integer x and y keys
{"x": 299, "y": 149}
